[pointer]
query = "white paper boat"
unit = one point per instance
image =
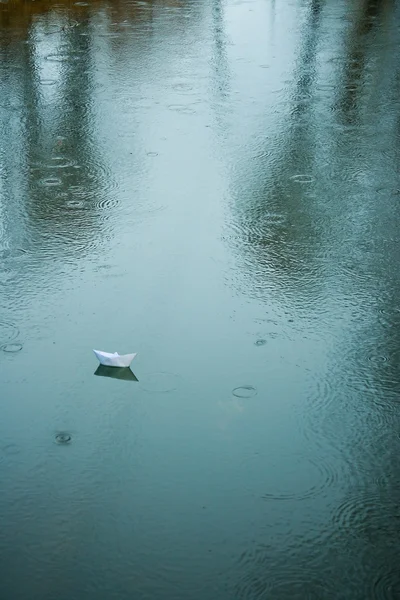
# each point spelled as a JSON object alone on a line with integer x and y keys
{"x": 114, "y": 360}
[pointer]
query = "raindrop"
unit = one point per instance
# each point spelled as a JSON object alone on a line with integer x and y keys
{"x": 152, "y": 153}
{"x": 182, "y": 87}
{"x": 260, "y": 342}
{"x": 14, "y": 347}
{"x": 302, "y": 178}
{"x": 60, "y": 162}
{"x": 51, "y": 181}
{"x": 8, "y": 331}
{"x": 107, "y": 203}
{"x": 244, "y": 391}
{"x": 48, "y": 81}
{"x": 351, "y": 88}
{"x": 378, "y": 358}
{"x": 75, "y": 204}
{"x": 63, "y": 438}
{"x": 58, "y": 57}
{"x": 182, "y": 108}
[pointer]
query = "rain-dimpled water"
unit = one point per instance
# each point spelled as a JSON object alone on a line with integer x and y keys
{"x": 215, "y": 185}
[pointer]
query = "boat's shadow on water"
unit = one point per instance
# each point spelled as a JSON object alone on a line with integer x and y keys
{"x": 123, "y": 373}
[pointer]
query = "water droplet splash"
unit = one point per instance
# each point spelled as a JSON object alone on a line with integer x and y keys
{"x": 63, "y": 438}
{"x": 13, "y": 347}
{"x": 244, "y": 391}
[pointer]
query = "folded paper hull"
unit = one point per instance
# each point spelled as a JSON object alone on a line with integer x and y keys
{"x": 114, "y": 360}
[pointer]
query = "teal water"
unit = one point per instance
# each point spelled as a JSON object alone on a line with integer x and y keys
{"x": 214, "y": 185}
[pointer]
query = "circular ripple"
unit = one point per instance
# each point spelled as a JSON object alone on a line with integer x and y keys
{"x": 260, "y": 342}
{"x": 11, "y": 449}
{"x": 60, "y": 162}
{"x": 301, "y": 587}
{"x": 51, "y": 182}
{"x": 73, "y": 204}
{"x": 323, "y": 474}
{"x": 8, "y": 332}
{"x": 63, "y": 438}
{"x": 364, "y": 515}
{"x": 379, "y": 358}
{"x": 244, "y": 391}
{"x": 302, "y": 178}
{"x": 321, "y": 391}
{"x": 386, "y": 586}
{"x": 107, "y": 203}
{"x": 161, "y": 382}
{"x": 182, "y": 87}
{"x": 13, "y": 347}
{"x": 57, "y": 57}
{"x": 351, "y": 87}
{"x": 48, "y": 81}
{"x": 256, "y": 581}
{"x": 182, "y": 108}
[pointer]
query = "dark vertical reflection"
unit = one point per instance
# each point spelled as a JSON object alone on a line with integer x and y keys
{"x": 277, "y": 224}
{"x": 68, "y": 179}
{"x": 16, "y": 63}
{"x": 57, "y": 189}
{"x": 366, "y": 20}
{"x": 219, "y": 65}
{"x": 305, "y": 220}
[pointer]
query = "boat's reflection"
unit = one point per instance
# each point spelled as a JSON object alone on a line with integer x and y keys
{"x": 123, "y": 373}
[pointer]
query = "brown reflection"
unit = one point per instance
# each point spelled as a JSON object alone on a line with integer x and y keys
{"x": 18, "y": 15}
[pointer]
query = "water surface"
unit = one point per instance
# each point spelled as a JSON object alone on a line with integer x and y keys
{"x": 214, "y": 185}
